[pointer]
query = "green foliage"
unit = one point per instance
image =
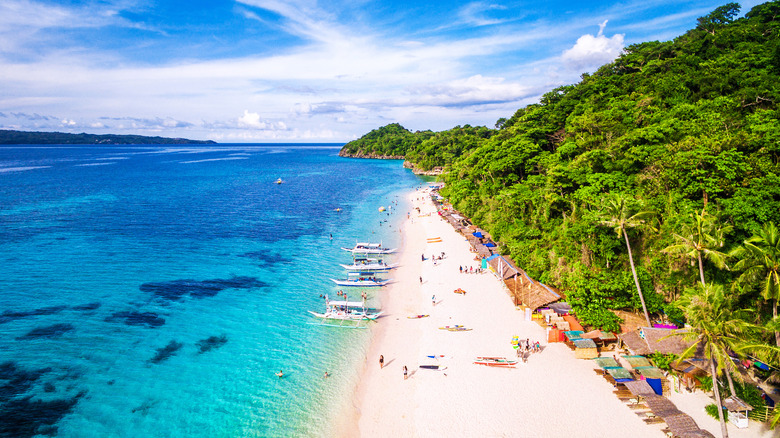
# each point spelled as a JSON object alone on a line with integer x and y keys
{"x": 712, "y": 411}
{"x": 663, "y": 361}
{"x": 706, "y": 385}
{"x": 676, "y": 127}
{"x": 392, "y": 140}
{"x": 25, "y": 137}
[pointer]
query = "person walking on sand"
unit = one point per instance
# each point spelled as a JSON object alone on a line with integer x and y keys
{"x": 405, "y": 372}
{"x": 421, "y": 280}
{"x": 433, "y": 300}
{"x": 381, "y": 361}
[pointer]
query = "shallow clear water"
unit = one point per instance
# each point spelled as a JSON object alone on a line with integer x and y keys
{"x": 154, "y": 290}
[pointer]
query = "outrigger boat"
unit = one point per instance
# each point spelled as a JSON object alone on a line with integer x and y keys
{"x": 369, "y": 265}
{"x": 455, "y": 328}
{"x": 369, "y": 248}
{"x": 356, "y": 280}
{"x": 495, "y": 361}
{"x": 346, "y": 311}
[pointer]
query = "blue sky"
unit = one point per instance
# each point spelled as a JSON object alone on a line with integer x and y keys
{"x": 302, "y": 70}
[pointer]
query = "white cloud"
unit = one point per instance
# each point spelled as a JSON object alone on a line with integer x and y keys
{"x": 252, "y": 121}
{"x": 592, "y": 51}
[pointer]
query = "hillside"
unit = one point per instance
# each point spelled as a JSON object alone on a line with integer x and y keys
{"x": 681, "y": 129}
{"x": 26, "y": 137}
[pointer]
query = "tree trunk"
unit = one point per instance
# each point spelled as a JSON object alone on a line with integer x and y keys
{"x": 701, "y": 269}
{"x": 636, "y": 279}
{"x": 724, "y": 433}
{"x": 730, "y": 379}
{"x": 774, "y": 313}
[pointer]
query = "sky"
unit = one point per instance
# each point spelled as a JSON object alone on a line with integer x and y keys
{"x": 272, "y": 71}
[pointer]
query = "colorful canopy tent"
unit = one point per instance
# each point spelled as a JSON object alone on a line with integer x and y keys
{"x": 573, "y": 323}
{"x": 607, "y": 362}
{"x": 573, "y": 335}
{"x": 638, "y": 362}
{"x": 562, "y": 308}
{"x": 620, "y": 374}
{"x": 478, "y": 235}
{"x": 654, "y": 378}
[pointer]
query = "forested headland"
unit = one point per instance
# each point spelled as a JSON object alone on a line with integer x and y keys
{"x": 32, "y": 137}
{"x": 663, "y": 163}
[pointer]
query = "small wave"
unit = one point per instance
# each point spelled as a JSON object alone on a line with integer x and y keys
{"x": 21, "y": 169}
{"x": 93, "y": 164}
{"x": 214, "y": 159}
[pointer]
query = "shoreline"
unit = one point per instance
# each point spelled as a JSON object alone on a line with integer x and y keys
{"x": 465, "y": 399}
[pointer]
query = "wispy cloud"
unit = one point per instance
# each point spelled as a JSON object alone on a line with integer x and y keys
{"x": 297, "y": 70}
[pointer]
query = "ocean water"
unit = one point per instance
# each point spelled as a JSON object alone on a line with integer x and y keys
{"x": 153, "y": 291}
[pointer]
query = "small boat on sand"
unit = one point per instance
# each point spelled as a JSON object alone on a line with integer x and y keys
{"x": 433, "y": 367}
{"x": 455, "y": 328}
{"x": 418, "y": 316}
{"x": 495, "y": 361}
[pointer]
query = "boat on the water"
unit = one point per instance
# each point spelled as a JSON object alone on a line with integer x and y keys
{"x": 369, "y": 265}
{"x": 279, "y": 181}
{"x": 344, "y": 311}
{"x": 357, "y": 279}
{"x": 495, "y": 361}
{"x": 369, "y": 248}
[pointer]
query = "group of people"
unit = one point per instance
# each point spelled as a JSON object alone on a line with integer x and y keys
{"x": 524, "y": 348}
{"x": 470, "y": 270}
{"x": 382, "y": 365}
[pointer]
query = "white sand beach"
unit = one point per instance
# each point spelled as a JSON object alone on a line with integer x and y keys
{"x": 552, "y": 395}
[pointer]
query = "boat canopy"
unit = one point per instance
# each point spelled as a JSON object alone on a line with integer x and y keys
{"x": 346, "y": 303}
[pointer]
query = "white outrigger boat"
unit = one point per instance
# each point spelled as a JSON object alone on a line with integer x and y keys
{"x": 346, "y": 311}
{"x": 369, "y": 248}
{"x": 369, "y": 265}
{"x": 359, "y": 279}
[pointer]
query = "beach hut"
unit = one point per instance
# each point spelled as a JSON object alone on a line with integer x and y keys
{"x": 585, "y": 349}
{"x": 738, "y": 411}
{"x": 645, "y": 340}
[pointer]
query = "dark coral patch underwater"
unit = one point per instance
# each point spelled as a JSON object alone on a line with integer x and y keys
{"x": 166, "y": 352}
{"x": 211, "y": 343}
{"x": 149, "y": 319}
{"x": 49, "y": 331}
{"x": 177, "y": 289}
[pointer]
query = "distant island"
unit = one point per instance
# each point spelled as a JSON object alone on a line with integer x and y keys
{"x": 25, "y": 137}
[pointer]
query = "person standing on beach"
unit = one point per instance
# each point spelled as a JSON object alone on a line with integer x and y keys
{"x": 420, "y": 279}
{"x": 381, "y": 361}
{"x": 433, "y": 300}
{"x": 405, "y": 372}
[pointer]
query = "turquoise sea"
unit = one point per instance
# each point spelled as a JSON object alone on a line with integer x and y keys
{"x": 153, "y": 291}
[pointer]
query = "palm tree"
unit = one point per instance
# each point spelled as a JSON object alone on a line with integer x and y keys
{"x": 702, "y": 239}
{"x": 616, "y": 213}
{"x": 716, "y": 330}
{"x": 759, "y": 261}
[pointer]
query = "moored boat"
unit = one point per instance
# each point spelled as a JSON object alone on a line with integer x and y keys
{"x": 369, "y": 265}
{"x": 369, "y": 248}
{"x": 495, "y": 361}
{"x": 346, "y": 311}
{"x": 356, "y": 280}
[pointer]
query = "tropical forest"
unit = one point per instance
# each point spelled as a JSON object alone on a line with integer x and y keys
{"x": 651, "y": 186}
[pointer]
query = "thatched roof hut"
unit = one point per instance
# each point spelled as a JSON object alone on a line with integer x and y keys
{"x": 646, "y": 340}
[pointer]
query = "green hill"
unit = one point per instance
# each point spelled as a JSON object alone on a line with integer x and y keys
{"x": 674, "y": 128}
{"x": 25, "y": 137}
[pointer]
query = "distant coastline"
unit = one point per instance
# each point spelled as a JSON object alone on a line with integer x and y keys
{"x": 28, "y": 137}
